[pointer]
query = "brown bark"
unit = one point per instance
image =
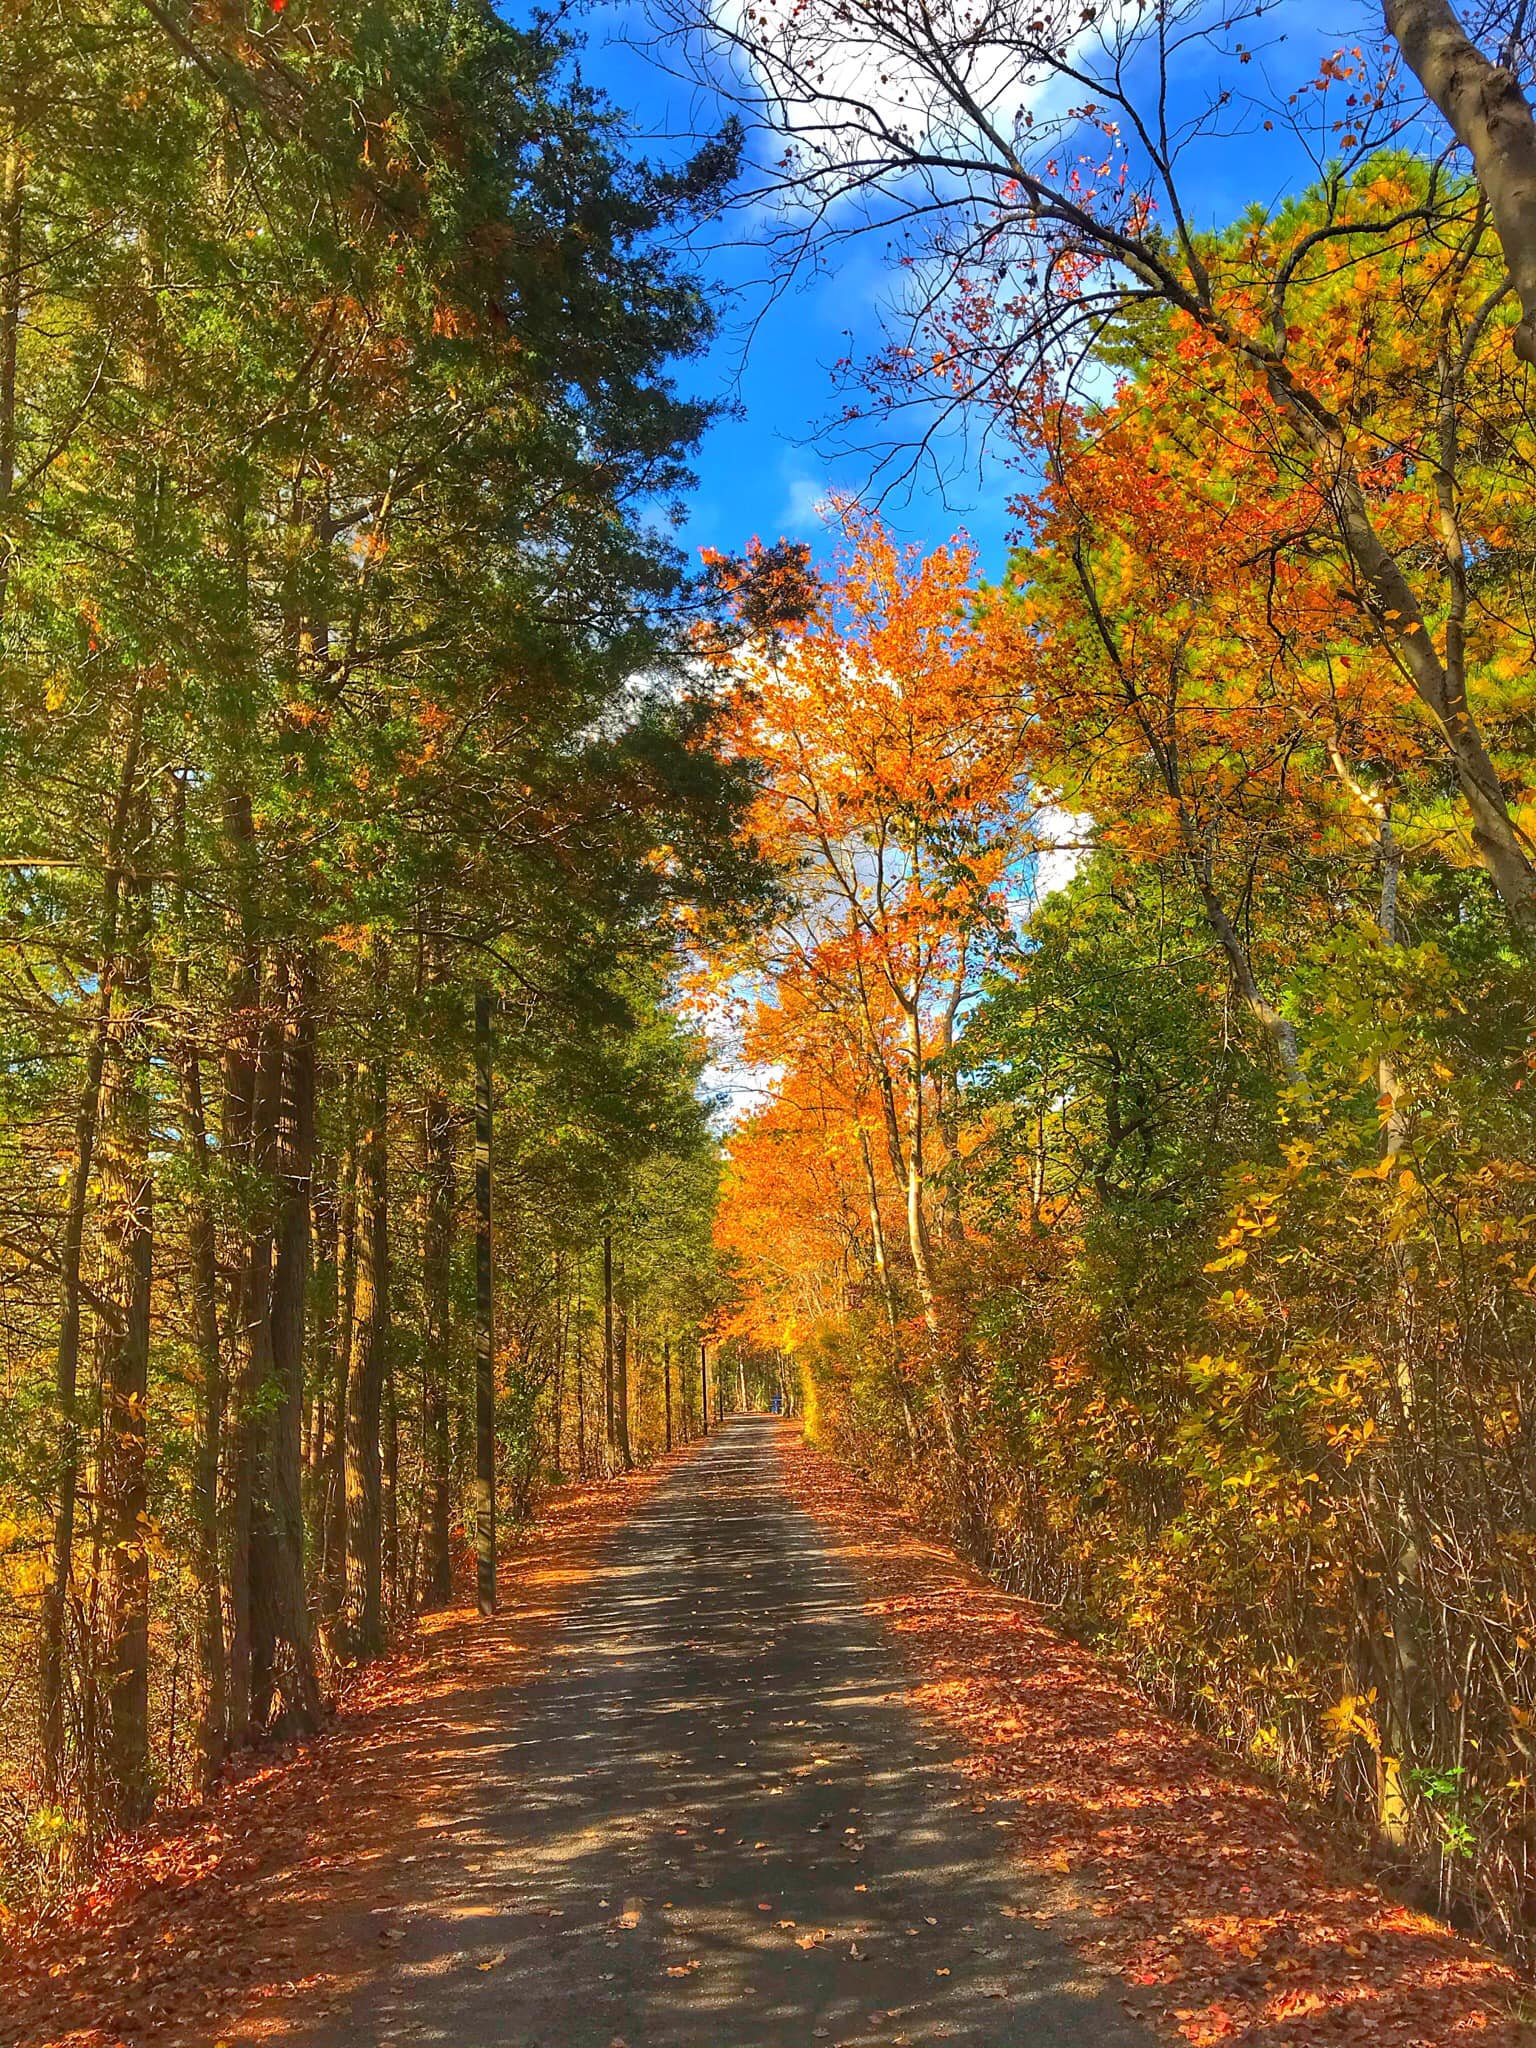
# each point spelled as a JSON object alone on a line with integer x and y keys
{"x": 621, "y": 1376}
{"x": 609, "y": 1420}
{"x": 1490, "y": 116}
{"x": 209, "y": 1706}
{"x": 283, "y": 1683}
{"x": 334, "y": 1563}
{"x": 245, "y": 1060}
{"x": 127, "y": 1244}
{"x": 365, "y": 1390}
{"x": 485, "y": 1330}
{"x": 12, "y": 180}
{"x": 55, "y": 1604}
{"x": 389, "y": 1492}
{"x": 437, "y": 1268}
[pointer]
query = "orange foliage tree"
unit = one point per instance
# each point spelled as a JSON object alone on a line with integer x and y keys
{"x": 886, "y": 733}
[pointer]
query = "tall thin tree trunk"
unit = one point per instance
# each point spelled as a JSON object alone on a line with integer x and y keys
{"x": 609, "y": 1423}
{"x": 55, "y": 1605}
{"x": 437, "y": 1273}
{"x": 704, "y": 1384}
{"x": 917, "y": 1191}
{"x": 370, "y": 1338}
{"x": 249, "y": 1082}
{"x": 1394, "y": 1124}
{"x": 581, "y": 1382}
{"x": 621, "y": 1376}
{"x": 666, "y": 1385}
{"x": 485, "y": 1332}
{"x": 389, "y": 1475}
{"x": 562, "y": 1337}
{"x": 209, "y": 1707}
{"x": 12, "y": 183}
{"x": 334, "y": 1565}
{"x": 877, "y": 1229}
{"x": 127, "y": 1247}
{"x": 283, "y": 1659}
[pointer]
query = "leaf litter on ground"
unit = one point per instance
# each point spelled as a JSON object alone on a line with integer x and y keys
{"x": 1159, "y": 1857}
{"x": 212, "y": 1923}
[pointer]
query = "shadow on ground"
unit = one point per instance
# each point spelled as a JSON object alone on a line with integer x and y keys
{"x": 712, "y": 1821}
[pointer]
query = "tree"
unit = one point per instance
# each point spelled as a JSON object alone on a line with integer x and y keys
{"x": 1033, "y": 169}
{"x": 893, "y": 799}
{"x": 336, "y": 407}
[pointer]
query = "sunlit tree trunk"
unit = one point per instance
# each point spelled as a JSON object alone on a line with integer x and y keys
{"x": 609, "y": 1421}
{"x": 370, "y": 1338}
{"x": 127, "y": 1247}
{"x": 209, "y": 1707}
{"x": 1489, "y": 115}
{"x": 55, "y": 1607}
{"x": 877, "y": 1229}
{"x": 437, "y": 1271}
{"x": 282, "y": 1658}
{"x": 484, "y": 1498}
{"x": 620, "y": 1310}
{"x": 334, "y": 1561}
{"x": 12, "y": 187}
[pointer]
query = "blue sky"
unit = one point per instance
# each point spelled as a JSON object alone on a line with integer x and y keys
{"x": 765, "y": 471}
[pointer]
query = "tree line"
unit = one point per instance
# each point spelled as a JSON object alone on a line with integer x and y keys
{"x": 354, "y": 1172}
{"x": 1144, "y": 1183}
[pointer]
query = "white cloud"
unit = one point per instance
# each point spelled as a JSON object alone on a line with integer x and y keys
{"x": 836, "y": 74}
{"x": 806, "y": 501}
{"x": 1066, "y": 839}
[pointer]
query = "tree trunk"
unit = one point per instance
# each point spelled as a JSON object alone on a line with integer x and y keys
{"x": 621, "y": 1376}
{"x": 877, "y": 1229}
{"x": 248, "y": 1086}
{"x": 437, "y": 1275}
{"x": 704, "y": 1383}
{"x": 12, "y": 180}
{"x": 282, "y": 1657}
{"x": 562, "y": 1342}
{"x": 334, "y": 1564}
{"x": 55, "y": 1604}
{"x": 127, "y": 1245}
{"x": 917, "y": 1210}
{"x": 1491, "y": 117}
{"x": 209, "y": 1707}
{"x": 485, "y": 1330}
{"x": 389, "y": 1474}
{"x": 666, "y": 1386}
{"x": 610, "y": 1431}
{"x": 370, "y": 1338}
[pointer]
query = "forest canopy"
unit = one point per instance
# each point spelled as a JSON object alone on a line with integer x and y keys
{"x": 1166, "y": 1237}
{"x": 1128, "y": 941}
{"x": 356, "y": 798}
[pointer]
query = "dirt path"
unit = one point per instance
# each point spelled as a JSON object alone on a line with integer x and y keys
{"x": 743, "y": 1764}
{"x": 220, "y": 1923}
{"x": 716, "y": 1822}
